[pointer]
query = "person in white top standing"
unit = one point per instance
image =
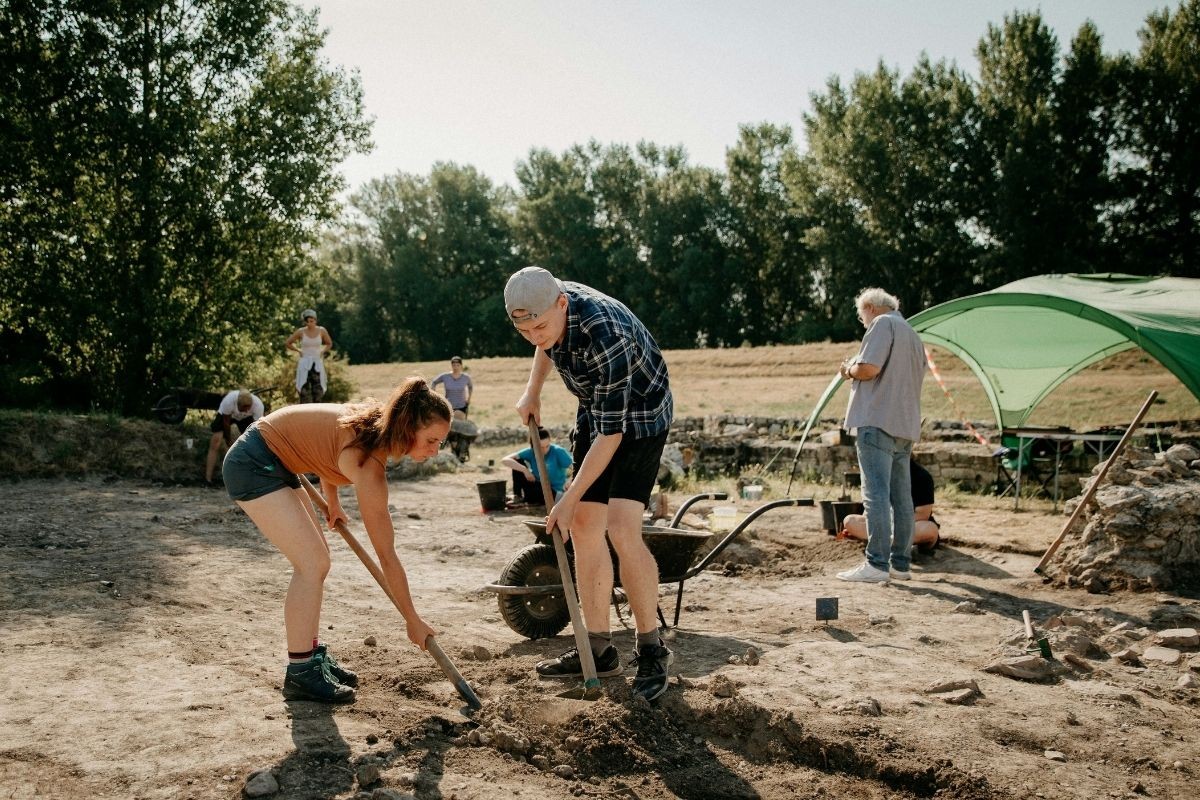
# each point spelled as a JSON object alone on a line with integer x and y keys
{"x": 238, "y": 409}
{"x": 312, "y": 342}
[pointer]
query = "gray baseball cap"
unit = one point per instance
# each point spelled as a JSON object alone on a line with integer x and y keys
{"x": 532, "y": 290}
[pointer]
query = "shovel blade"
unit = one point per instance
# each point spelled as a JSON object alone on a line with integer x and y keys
{"x": 590, "y": 694}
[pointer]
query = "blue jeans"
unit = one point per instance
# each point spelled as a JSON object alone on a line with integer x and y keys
{"x": 887, "y": 497}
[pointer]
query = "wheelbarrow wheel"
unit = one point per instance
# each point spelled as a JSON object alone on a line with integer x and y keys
{"x": 169, "y": 410}
{"x": 536, "y": 616}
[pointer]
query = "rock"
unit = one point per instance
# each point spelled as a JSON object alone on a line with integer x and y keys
{"x": 939, "y": 687}
{"x": 390, "y": 794}
{"x": 368, "y": 773}
{"x": 564, "y": 771}
{"x": 1162, "y": 655}
{"x": 1026, "y": 668}
{"x": 1194, "y": 663}
{"x": 1183, "y": 452}
{"x": 1127, "y": 656}
{"x": 1187, "y": 681}
{"x": 967, "y": 607}
{"x": 1055, "y": 755}
{"x": 881, "y": 619}
{"x": 539, "y": 761}
{"x": 260, "y": 784}
{"x": 413, "y": 515}
{"x": 959, "y": 697}
{"x": 1076, "y": 643}
{"x": 407, "y": 778}
{"x": 735, "y": 660}
{"x": 481, "y": 653}
{"x": 867, "y": 706}
{"x": 370, "y": 641}
{"x": 1079, "y": 662}
{"x": 1124, "y": 626}
{"x": 1178, "y": 637}
{"x": 751, "y": 657}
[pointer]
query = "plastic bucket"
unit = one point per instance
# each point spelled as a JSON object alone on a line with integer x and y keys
{"x": 752, "y": 492}
{"x": 828, "y": 522}
{"x": 842, "y": 509}
{"x": 492, "y": 494}
{"x": 724, "y": 518}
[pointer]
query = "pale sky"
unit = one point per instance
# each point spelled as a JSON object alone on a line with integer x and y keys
{"x": 482, "y": 83}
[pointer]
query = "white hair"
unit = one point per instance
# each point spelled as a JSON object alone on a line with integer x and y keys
{"x": 877, "y": 297}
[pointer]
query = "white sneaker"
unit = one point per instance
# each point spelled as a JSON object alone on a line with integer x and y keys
{"x": 899, "y": 574}
{"x": 864, "y": 572}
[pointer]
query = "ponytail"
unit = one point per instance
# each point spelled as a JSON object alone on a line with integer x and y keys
{"x": 392, "y": 426}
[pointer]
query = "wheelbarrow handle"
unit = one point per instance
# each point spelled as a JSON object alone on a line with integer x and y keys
{"x": 741, "y": 526}
{"x": 686, "y": 504}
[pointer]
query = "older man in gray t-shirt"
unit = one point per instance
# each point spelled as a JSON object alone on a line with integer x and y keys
{"x": 885, "y": 411}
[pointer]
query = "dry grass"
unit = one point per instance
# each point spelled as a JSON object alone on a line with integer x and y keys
{"x": 785, "y": 381}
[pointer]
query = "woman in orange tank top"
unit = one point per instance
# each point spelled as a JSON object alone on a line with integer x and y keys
{"x": 343, "y": 445}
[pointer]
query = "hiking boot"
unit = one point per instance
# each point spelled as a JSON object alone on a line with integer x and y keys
{"x": 652, "y": 662}
{"x": 568, "y": 665}
{"x": 340, "y": 674}
{"x": 312, "y": 681}
{"x": 864, "y": 572}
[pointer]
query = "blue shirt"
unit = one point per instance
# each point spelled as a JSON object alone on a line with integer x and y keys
{"x": 611, "y": 363}
{"x": 558, "y": 461}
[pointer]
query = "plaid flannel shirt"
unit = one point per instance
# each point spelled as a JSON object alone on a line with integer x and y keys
{"x": 611, "y": 363}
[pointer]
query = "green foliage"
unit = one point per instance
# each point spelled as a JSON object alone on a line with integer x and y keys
{"x": 165, "y": 166}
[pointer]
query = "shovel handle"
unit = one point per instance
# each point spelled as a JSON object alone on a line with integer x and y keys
{"x": 447, "y": 666}
{"x": 586, "y": 661}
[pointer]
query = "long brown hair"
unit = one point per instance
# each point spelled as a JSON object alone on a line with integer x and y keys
{"x": 392, "y": 426}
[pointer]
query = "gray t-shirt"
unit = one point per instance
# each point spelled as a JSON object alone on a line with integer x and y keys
{"x": 892, "y": 400}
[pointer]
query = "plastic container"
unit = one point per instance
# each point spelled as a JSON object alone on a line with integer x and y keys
{"x": 752, "y": 492}
{"x": 724, "y": 518}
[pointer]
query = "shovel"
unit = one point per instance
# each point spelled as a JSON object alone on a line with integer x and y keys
{"x": 591, "y": 684}
{"x": 460, "y": 683}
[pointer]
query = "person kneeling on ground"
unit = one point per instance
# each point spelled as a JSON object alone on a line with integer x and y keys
{"x": 527, "y": 485}
{"x": 927, "y": 529}
{"x": 342, "y": 444}
{"x": 238, "y": 409}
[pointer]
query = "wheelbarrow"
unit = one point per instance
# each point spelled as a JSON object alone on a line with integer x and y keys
{"x": 529, "y": 591}
{"x": 173, "y": 407}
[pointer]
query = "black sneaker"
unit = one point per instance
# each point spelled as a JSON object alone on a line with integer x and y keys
{"x": 340, "y": 674}
{"x": 652, "y": 662}
{"x": 568, "y": 665}
{"x": 312, "y": 681}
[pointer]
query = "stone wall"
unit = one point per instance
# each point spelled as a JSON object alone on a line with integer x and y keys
{"x": 1143, "y": 530}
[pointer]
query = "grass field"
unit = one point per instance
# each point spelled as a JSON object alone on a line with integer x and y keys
{"x": 785, "y": 381}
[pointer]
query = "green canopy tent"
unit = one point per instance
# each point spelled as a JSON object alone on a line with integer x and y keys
{"x": 1025, "y": 338}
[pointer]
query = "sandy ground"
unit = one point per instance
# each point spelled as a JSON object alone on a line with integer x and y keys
{"x": 141, "y": 658}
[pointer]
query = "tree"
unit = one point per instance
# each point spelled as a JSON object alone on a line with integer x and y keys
{"x": 168, "y": 164}
{"x": 430, "y": 257}
{"x": 1158, "y": 162}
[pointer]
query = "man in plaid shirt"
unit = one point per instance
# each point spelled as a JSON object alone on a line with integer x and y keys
{"x": 608, "y": 360}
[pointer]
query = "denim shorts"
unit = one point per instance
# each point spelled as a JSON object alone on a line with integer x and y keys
{"x": 251, "y": 470}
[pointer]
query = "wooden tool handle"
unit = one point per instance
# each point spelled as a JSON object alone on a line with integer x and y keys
{"x": 564, "y": 566}
{"x": 1087, "y": 496}
{"x": 447, "y": 666}
{"x": 1028, "y": 624}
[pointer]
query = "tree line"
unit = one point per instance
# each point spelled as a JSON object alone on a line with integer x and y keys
{"x": 171, "y": 210}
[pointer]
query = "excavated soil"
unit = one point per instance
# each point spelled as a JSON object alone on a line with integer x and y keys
{"x": 142, "y": 638}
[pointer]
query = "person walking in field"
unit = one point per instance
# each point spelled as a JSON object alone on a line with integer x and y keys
{"x": 885, "y": 411}
{"x": 343, "y": 445}
{"x": 611, "y": 363}
{"x": 457, "y": 385}
{"x": 313, "y": 343}
{"x": 238, "y": 409}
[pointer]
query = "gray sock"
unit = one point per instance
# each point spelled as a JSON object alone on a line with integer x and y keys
{"x": 599, "y": 641}
{"x": 650, "y": 637}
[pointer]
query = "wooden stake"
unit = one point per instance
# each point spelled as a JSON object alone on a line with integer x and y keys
{"x": 1087, "y": 496}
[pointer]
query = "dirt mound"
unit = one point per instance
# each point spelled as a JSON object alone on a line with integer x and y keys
{"x": 1144, "y": 531}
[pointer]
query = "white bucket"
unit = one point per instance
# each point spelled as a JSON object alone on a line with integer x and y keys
{"x": 752, "y": 492}
{"x": 724, "y": 518}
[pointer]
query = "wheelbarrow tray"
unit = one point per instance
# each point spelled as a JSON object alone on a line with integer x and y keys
{"x": 674, "y": 549}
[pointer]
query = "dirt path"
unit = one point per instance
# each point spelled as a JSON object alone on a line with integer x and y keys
{"x": 141, "y": 631}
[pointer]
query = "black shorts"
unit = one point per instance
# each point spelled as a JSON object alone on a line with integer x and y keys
{"x": 631, "y": 473}
{"x": 241, "y": 424}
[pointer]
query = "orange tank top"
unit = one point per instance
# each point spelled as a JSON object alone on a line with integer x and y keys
{"x": 308, "y": 438}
